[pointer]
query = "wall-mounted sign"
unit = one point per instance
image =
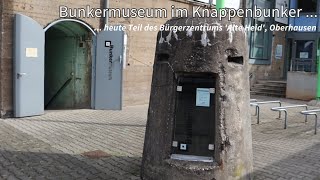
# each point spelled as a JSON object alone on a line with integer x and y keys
{"x": 32, "y": 52}
{"x": 282, "y": 5}
{"x": 304, "y": 55}
{"x": 279, "y": 51}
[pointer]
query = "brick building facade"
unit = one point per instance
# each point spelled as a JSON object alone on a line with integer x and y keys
{"x": 140, "y": 47}
{"x": 140, "y": 50}
{"x": 265, "y": 65}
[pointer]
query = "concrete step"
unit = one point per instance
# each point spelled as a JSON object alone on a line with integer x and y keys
{"x": 275, "y": 88}
{"x": 271, "y": 85}
{"x": 262, "y": 89}
{"x": 268, "y": 94}
{"x": 271, "y": 81}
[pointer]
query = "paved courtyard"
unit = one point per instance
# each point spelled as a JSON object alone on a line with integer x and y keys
{"x": 87, "y": 144}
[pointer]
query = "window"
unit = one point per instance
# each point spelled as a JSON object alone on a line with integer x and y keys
{"x": 260, "y": 41}
{"x": 304, "y": 56}
{"x": 308, "y": 5}
{"x": 194, "y": 132}
{"x": 304, "y": 49}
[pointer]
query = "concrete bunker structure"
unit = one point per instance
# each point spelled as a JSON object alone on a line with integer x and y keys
{"x": 199, "y": 120}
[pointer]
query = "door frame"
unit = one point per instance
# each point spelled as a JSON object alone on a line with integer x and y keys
{"x": 296, "y": 36}
{"x": 294, "y": 52}
{"x": 94, "y": 61}
{"x": 93, "y": 53}
{"x": 69, "y": 20}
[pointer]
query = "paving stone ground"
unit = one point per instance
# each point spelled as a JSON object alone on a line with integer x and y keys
{"x": 51, "y": 146}
{"x": 292, "y": 153}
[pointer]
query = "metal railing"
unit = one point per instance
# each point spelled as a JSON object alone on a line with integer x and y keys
{"x": 257, "y": 105}
{"x": 58, "y": 92}
{"x": 306, "y": 65}
{"x": 312, "y": 112}
{"x": 284, "y": 109}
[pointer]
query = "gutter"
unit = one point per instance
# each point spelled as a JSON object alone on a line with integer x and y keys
{"x": 106, "y": 6}
{"x": 1, "y": 49}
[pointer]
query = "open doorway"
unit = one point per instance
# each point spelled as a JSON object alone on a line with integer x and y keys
{"x": 68, "y": 66}
{"x": 77, "y": 67}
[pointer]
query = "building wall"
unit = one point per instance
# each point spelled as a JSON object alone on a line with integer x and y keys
{"x": 274, "y": 70}
{"x": 141, "y": 50}
{"x": 1, "y": 30}
{"x": 44, "y": 12}
{"x": 270, "y": 68}
{"x": 141, "y": 45}
{"x": 301, "y": 85}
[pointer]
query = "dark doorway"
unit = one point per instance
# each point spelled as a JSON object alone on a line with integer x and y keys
{"x": 68, "y": 66}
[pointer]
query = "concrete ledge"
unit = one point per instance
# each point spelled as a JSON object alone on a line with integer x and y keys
{"x": 301, "y": 85}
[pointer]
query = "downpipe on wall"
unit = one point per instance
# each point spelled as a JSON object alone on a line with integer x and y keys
{"x": 106, "y": 6}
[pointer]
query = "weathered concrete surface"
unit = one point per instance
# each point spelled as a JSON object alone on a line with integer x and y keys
{"x": 301, "y": 85}
{"x": 200, "y": 52}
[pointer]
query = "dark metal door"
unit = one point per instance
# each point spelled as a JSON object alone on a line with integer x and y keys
{"x": 108, "y": 71}
{"x": 28, "y": 67}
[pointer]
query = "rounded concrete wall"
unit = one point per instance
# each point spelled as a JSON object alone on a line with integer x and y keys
{"x": 222, "y": 52}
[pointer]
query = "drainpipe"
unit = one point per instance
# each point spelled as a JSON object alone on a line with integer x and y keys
{"x": 220, "y": 4}
{"x": 318, "y": 60}
{"x": 106, "y": 6}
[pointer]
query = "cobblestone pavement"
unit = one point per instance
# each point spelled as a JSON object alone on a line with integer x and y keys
{"x": 292, "y": 153}
{"x": 52, "y": 146}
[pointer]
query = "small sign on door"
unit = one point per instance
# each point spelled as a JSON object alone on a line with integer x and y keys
{"x": 32, "y": 52}
{"x": 203, "y": 97}
{"x": 304, "y": 55}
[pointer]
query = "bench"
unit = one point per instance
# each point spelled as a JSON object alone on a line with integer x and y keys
{"x": 312, "y": 112}
{"x": 257, "y": 105}
{"x": 284, "y": 109}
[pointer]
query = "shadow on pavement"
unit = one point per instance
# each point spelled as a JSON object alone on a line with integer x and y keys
{"x": 302, "y": 165}
{"x": 32, "y": 165}
{"x": 82, "y": 123}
